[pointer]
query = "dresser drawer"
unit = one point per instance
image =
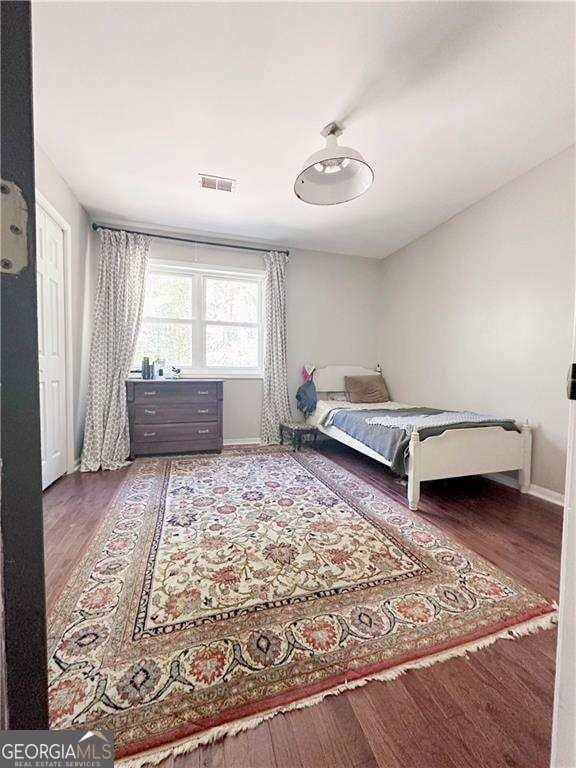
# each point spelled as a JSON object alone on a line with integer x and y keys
{"x": 176, "y": 446}
{"x": 193, "y": 391}
{"x": 181, "y": 412}
{"x": 158, "y": 433}
{"x": 174, "y": 416}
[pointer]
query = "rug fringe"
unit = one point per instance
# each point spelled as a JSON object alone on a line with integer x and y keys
{"x": 155, "y": 756}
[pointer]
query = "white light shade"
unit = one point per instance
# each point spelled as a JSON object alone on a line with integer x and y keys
{"x": 333, "y": 175}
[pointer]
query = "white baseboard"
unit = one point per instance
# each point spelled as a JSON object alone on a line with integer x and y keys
{"x": 74, "y": 468}
{"x": 534, "y": 490}
{"x": 547, "y": 495}
{"x": 242, "y": 441}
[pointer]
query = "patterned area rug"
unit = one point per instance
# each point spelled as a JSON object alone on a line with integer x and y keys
{"x": 221, "y": 590}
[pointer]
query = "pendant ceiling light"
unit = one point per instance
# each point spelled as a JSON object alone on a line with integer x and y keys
{"x": 334, "y": 174}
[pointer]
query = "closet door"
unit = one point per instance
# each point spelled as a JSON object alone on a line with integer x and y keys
{"x": 51, "y": 345}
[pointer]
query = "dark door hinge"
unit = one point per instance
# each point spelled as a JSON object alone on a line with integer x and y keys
{"x": 14, "y": 245}
{"x": 571, "y": 382}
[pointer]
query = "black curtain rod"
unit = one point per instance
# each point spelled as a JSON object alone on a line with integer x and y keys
{"x": 189, "y": 240}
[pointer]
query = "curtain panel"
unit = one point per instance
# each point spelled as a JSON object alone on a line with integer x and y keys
{"x": 116, "y": 322}
{"x": 275, "y": 402}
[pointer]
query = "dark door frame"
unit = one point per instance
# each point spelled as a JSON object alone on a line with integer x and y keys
{"x": 26, "y": 680}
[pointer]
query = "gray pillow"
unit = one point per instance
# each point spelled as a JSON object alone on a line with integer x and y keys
{"x": 366, "y": 389}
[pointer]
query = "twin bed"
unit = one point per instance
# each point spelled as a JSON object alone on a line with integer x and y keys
{"x": 421, "y": 443}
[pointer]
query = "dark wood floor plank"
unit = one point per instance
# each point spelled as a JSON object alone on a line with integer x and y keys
{"x": 490, "y": 710}
{"x": 379, "y": 719}
{"x": 209, "y": 756}
{"x": 390, "y": 722}
{"x": 499, "y": 717}
{"x": 253, "y": 748}
{"x": 284, "y": 740}
{"x": 74, "y": 507}
{"x": 340, "y": 734}
{"x": 456, "y": 723}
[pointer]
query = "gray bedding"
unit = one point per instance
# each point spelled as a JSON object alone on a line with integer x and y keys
{"x": 391, "y": 437}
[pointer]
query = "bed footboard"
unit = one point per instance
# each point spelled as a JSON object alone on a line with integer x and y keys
{"x": 459, "y": 452}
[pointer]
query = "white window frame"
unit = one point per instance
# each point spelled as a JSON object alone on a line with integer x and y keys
{"x": 198, "y": 274}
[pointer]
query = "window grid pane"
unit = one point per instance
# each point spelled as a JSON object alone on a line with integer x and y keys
{"x": 169, "y": 296}
{"x": 231, "y": 300}
{"x": 199, "y": 321}
{"x": 168, "y": 341}
{"x": 231, "y": 346}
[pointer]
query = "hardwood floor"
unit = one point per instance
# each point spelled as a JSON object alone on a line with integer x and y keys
{"x": 492, "y": 709}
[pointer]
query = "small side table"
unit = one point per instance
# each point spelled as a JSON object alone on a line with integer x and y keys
{"x": 296, "y": 431}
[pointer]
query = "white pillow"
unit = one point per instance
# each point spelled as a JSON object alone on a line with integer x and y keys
{"x": 337, "y": 396}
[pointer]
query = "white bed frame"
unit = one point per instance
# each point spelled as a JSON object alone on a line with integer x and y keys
{"x": 454, "y": 453}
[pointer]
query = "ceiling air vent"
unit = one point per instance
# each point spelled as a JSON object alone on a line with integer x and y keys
{"x": 218, "y": 183}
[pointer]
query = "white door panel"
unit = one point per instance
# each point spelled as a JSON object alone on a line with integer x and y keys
{"x": 43, "y": 424}
{"x": 51, "y": 345}
{"x": 563, "y": 730}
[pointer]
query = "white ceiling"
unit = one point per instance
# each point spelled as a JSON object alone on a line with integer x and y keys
{"x": 447, "y": 102}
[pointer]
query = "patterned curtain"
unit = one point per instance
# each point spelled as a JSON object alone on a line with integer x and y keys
{"x": 116, "y": 322}
{"x": 275, "y": 404}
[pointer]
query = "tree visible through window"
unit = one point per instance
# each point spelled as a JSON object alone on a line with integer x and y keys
{"x": 202, "y": 320}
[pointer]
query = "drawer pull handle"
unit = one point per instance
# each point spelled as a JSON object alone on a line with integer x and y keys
{"x": 203, "y": 410}
{"x": 203, "y": 392}
{"x": 203, "y": 431}
{"x": 149, "y": 434}
{"x": 152, "y": 413}
{"x": 152, "y": 392}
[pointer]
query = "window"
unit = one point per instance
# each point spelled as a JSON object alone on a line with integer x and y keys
{"x": 202, "y": 320}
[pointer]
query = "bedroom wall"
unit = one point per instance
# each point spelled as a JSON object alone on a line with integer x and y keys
{"x": 332, "y": 316}
{"x": 477, "y": 314}
{"x": 53, "y": 187}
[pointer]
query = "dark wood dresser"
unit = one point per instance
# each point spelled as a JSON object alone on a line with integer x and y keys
{"x": 174, "y": 416}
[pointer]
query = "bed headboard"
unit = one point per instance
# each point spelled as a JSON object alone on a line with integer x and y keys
{"x": 331, "y": 377}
